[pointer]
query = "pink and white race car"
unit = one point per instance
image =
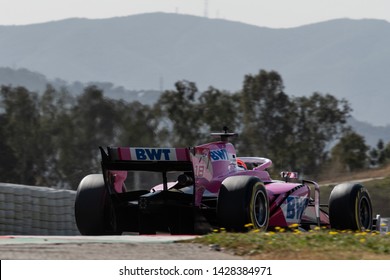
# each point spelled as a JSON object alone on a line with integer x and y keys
{"x": 213, "y": 188}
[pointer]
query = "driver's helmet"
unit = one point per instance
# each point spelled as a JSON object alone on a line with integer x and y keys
{"x": 241, "y": 164}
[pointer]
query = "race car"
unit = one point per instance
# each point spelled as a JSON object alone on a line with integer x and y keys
{"x": 212, "y": 188}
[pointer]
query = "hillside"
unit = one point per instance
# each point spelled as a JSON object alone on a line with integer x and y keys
{"x": 37, "y": 82}
{"x": 347, "y": 58}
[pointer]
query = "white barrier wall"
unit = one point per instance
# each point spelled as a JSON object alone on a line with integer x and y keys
{"x": 31, "y": 210}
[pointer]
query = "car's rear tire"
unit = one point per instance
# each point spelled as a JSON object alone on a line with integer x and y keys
{"x": 350, "y": 207}
{"x": 94, "y": 212}
{"x": 243, "y": 204}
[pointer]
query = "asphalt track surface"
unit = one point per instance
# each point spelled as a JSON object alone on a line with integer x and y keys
{"x": 133, "y": 247}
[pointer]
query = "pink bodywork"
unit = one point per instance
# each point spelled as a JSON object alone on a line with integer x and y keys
{"x": 216, "y": 161}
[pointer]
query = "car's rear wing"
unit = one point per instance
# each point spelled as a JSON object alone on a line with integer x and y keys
{"x": 116, "y": 161}
{"x": 146, "y": 159}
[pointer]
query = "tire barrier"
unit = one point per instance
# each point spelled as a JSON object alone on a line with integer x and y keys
{"x": 31, "y": 210}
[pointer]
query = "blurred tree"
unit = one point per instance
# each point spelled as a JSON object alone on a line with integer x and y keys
{"x": 319, "y": 120}
{"x": 94, "y": 123}
{"x": 56, "y": 137}
{"x": 374, "y": 154}
{"x": 8, "y": 162}
{"x": 266, "y": 117}
{"x": 138, "y": 125}
{"x": 179, "y": 121}
{"x": 351, "y": 151}
{"x": 20, "y": 125}
{"x": 294, "y": 132}
{"x": 387, "y": 152}
{"x": 378, "y": 155}
{"x": 215, "y": 110}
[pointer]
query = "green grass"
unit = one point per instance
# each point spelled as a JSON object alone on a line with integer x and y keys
{"x": 294, "y": 244}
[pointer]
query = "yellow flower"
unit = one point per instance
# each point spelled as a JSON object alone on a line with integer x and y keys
{"x": 362, "y": 233}
{"x": 316, "y": 228}
{"x": 293, "y": 226}
{"x": 362, "y": 240}
{"x": 249, "y": 225}
{"x": 333, "y": 232}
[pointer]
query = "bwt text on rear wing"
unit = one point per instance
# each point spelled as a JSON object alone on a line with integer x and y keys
{"x": 146, "y": 159}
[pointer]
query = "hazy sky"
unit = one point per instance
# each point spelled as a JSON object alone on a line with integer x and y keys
{"x": 270, "y": 13}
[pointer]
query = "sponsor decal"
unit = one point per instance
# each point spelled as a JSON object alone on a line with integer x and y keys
{"x": 153, "y": 154}
{"x": 221, "y": 154}
{"x": 293, "y": 208}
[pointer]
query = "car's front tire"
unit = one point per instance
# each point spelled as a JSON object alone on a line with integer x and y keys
{"x": 350, "y": 207}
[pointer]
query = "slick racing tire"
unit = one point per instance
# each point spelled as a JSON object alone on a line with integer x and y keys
{"x": 350, "y": 207}
{"x": 94, "y": 212}
{"x": 243, "y": 204}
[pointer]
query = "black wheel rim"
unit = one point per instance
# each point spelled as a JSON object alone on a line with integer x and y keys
{"x": 364, "y": 213}
{"x": 260, "y": 209}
